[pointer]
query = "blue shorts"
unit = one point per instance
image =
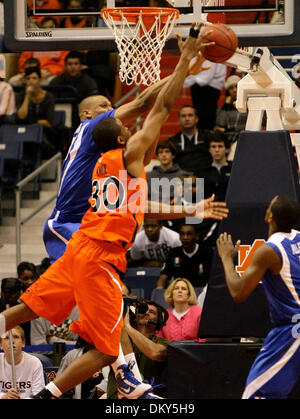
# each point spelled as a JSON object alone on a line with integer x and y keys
{"x": 56, "y": 235}
{"x": 276, "y": 369}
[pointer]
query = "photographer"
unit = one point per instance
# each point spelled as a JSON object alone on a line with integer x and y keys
{"x": 140, "y": 344}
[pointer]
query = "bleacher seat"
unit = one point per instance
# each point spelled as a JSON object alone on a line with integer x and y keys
{"x": 11, "y": 154}
{"x": 142, "y": 279}
{"x": 158, "y": 297}
{"x": 30, "y": 136}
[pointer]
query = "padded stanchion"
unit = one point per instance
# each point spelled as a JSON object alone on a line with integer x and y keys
{"x": 264, "y": 166}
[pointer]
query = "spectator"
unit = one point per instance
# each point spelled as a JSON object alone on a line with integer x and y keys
{"x": 190, "y": 144}
{"x": 83, "y": 390}
{"x": 43, "y": 332}
{"x": 43, "y": 266}
{"x": 29, "y": 371}
{"x": 77, "y": 21}
{"x": 167, "y": 169}
{"x": 216, "y": 178}
{"x": 7, "y": 98}
{"x": 11, "y": 289}
{"x": 126, "y": 289}
{"x": 205, "y": 90}
{"x": 36, "y": 105}
{"x": 184, "y": 314}
{"x": 153, "y": 244}
{"x": 229, "y": 120}
{"x": 141, "y": 346}
{"x": 43, "y": 4}
{"x": 191, "y": 260}
{"x": 27, "y": 274}
{"x": 188, "y": 193}
{"x": 73, "y": 76}
{"x": 51, "y": 64}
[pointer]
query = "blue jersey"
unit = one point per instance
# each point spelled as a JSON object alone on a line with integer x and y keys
{"x": 75, "y": 188}
{"x": 283, "y": 290}
{"x": 276, "y": 369}
{"x": 76, "y": 179}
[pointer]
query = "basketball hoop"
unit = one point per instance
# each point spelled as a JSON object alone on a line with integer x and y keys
{"x": 140, "y": 34}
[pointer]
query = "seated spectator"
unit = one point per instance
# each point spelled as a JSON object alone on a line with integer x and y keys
{"x": 19, "y": 78}
{"x": 36, "y": 105}
{"x": 41, "y": 5}
{"x": 216, "y": 178}
{"x": 167, "y": 169}
{"x": 77, "y": 21}
{"x": 51, "y": 64}
{"x": 27, "y": 274}
{"x": 191, "y": 260}
{"x": 83, "y": 390}
{"x": 43, "y": 266}
{"x": 188, "y": 193}
{"x": 229, "y": 120}
{"x": 7, "y": 98}
{"x": 29, "y": 370}
{"x": 153, "y": 244}
{"x": 43, "y": 332}
{"x": 73, "y": 76}
{"x": 184, "y": 314}
{"x": 126, "y": 289}
{"x": 143, "y": 350}
{"x": 205, "y": 88}
{"x": 11, "y": 289}
{"x": 191, "y": 146}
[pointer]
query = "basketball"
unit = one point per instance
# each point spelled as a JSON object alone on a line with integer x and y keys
{"x": 226, "y": 43}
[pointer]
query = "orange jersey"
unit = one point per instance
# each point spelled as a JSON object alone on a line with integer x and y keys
{"x": 117, "y": 202}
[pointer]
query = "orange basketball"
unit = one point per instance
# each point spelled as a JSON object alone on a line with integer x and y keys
{"x": 226, "y": 43}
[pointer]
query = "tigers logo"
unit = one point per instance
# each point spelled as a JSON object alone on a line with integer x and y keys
{"x": 245, "y": 254}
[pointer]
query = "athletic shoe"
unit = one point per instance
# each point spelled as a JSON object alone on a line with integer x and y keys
{"x": 128, "y": 386}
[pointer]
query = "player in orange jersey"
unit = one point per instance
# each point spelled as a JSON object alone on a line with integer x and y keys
{"x": 89, "y": 273}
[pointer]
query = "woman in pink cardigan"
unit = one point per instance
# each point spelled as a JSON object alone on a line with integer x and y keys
{"x": 184, "y": 314}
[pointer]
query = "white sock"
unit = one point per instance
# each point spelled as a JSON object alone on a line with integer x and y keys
{"x": 53, "y": 389}
{"x": 119, "y": 361}
{"x": 2, "y": 325}
{"x": 130, "y": 360}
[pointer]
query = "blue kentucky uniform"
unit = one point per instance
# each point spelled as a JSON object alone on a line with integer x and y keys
{"x": 75, "y": 188}
{"x": 276, "y": 369}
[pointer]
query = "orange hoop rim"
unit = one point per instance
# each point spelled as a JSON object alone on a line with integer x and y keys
{"x": 133, "y": 13}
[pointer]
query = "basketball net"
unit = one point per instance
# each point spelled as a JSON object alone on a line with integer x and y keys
{"x": 140, "y": 43}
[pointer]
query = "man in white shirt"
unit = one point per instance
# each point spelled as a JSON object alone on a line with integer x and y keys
{"x": 205, "y": 90}
{"x": 153, "y": 244}
{"x": 29, "y": 371}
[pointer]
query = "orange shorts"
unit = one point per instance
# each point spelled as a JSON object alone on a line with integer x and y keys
{"x": 83, "y": 277}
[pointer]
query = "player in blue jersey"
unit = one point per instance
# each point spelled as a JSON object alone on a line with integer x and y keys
{"x": 75, "y": 183}
{"x": 277, "y": 263}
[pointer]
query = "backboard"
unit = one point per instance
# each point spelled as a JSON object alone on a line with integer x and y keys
{"x": 29, "y": 24}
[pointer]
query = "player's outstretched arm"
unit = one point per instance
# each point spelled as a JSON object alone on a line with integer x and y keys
{"x": 145, "y": 101}
{"x": 136, "y": 149}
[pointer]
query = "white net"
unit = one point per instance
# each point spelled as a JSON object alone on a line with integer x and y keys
{"x": 140, "y": 46}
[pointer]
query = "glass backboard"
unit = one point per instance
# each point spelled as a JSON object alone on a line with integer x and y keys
{"x": 76, "y": 24}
